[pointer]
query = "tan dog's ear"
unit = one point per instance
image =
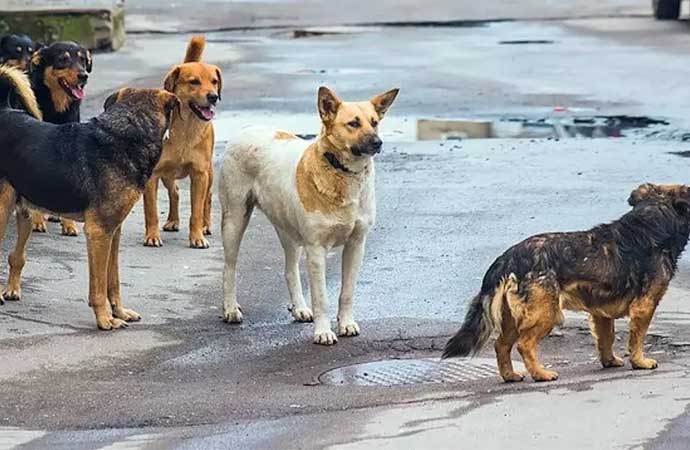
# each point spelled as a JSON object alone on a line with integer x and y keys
{"x": 172, "y": 102}
{"x": 111, "y": 100}
{"x": 383, "y": 102}
{"x": 643, "y": 192}
{"x": 328, "y": 104}
{"x": 171, "y": 79}
{"x": 220, "y": 84}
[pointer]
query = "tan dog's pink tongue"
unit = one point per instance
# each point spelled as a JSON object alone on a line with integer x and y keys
{"x": 207, "y": 113}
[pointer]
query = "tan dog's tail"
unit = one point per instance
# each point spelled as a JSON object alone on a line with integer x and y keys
{"x": 14, "y": 84}
{"x": 195, "y": 49}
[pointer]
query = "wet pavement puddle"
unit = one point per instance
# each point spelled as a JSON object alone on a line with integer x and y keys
{"x": 229, "y": 124}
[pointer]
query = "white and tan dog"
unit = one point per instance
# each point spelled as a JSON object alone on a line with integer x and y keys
{"x": 318, "y": 195}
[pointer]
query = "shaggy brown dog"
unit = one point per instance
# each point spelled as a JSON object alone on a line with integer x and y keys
{"x": 611, "y": 271}
{"x": 189, "y": 151}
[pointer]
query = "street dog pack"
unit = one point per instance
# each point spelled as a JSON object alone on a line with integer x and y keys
{"x": 317, "y": 194}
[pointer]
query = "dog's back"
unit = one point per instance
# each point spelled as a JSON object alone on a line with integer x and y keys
{"x": 251, "y": 160}
{"x": 260, "y": 151}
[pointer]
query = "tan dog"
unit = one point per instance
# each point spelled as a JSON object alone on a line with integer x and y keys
{"x": 189, "y": 151}
{"x": 318, "y": 196}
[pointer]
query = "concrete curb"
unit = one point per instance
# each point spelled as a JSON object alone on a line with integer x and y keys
{"x": 94, "y": 28}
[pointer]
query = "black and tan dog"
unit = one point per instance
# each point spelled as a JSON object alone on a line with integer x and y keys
{"x": 58, "y": 76}
{"x": 16, "y": 50}
{"x": 611, "y": 271}
{"x": 92, "y": 172}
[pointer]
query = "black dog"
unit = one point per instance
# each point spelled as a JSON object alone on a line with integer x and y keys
{"x": 92, "y": 172}
{"x": 613, "y": 270}
{"x": 58, "y": 76}
{"x": 16, "y": 50}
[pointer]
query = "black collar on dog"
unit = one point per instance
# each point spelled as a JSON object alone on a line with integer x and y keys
{"x": 333, "y": 161}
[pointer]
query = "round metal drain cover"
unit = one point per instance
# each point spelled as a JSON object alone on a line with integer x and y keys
{"x": 399, "y": 372}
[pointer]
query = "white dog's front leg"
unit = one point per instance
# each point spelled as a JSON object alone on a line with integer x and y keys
{"x": 316, "y": 262}
{"x": 297, "y": 305}
{"x": 352, "y": 261}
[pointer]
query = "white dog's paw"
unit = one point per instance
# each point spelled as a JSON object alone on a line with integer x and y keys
{"x": 302, "y": 314}
{"x": 349, "y": 328}
{"x": 325, "y": 337}
{"x": 232, "y": 314}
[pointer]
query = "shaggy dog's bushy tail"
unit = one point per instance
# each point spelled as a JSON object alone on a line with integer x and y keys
{"x": 483, "y": 316}
{"x": 195, "y": 49}
{"x": 475, "y": 330}
{"x": 15, "y": 85}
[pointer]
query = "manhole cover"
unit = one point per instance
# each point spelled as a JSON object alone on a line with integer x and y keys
{"x": 399, "y": 372}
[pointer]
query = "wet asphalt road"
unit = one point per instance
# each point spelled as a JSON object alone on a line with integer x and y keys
{"x": 185, "y": 379}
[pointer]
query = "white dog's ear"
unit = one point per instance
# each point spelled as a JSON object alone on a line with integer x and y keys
{"x": 384, "y": 101}
{"x": 328, "y": 104}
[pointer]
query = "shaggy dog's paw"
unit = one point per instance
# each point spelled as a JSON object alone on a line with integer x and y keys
{"x": 172, "y": 225}
{"x": 349, "y": 328}
{"x": 153, "y": 240}
{"x": 69, "y": 229}
{"x": 326, "y": 337}
{"x": 644, "y": 364}
{"x": 545, "y": 375}
{"x": 127, "y": 315}
{"x": 613, "y": 362}
{"x": 232, "y": 315}
{"x": 514, "y": 377}
{"x": 301, "y": 314}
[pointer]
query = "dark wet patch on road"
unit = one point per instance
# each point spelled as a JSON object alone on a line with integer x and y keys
{"x": 526, "y": 42}
{"x": 560, "y": 125}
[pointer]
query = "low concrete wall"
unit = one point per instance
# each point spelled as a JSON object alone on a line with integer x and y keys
{"x": 98, "y": 26}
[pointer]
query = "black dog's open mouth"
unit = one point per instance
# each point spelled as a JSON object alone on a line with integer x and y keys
{"x": 76, "y": 92}
{"x": 203, "y": 112}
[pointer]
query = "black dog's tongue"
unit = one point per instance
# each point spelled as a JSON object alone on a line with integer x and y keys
{"x": 77, "y": 92}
